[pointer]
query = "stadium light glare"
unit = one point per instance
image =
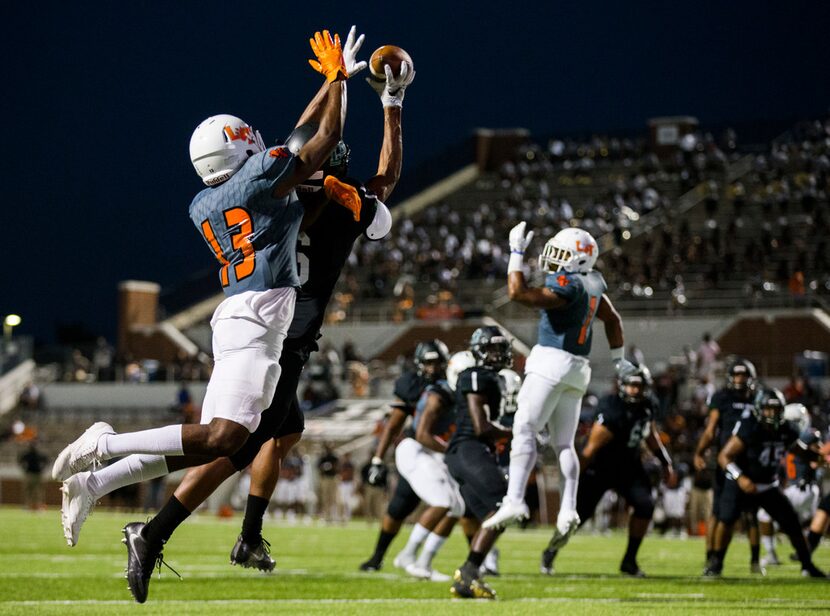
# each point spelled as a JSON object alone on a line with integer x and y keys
{"x": 10, "y": 322}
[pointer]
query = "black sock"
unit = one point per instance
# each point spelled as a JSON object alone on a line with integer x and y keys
{"x": 158, "y": 529}
{"x": 384, "y": 539}
{"x": 252, "y": 524}
{"x": 476, "y": 558}
{"x": 813, "y": 539}
{"x": 755, "y": 552}
{"x": 718, "y": 556}
{"x": 633, "y": 548}
{"x": 709, "y": 554}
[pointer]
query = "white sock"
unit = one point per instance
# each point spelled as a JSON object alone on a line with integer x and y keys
{"x": 416, "y": 538}
{"x": 166, "y": 441}
{"x": 569, "y": 471}
{"x": 432, "y": 544}
{"x": 522, "y": 460}
{"x": 126, "y": 471}
{"x": 768, "y": 543}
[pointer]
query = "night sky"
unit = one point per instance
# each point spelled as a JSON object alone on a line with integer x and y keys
{"x": 100, "y": 99}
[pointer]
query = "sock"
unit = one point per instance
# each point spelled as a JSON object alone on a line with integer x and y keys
{"x": 755, "y": 553}
{"x": 475, "y": 559}
{"x": 709, "y": 555}
{"x": 416, "y": 538}
{"x": 166, "y": 441}
{"x": 252, "y": 524}
{"x": 633, "y": 548}
{"x": 124, "y": 472}
{"x": 718, "y": 556}
{"x": 769, "y": 544}
{"x": 522, "y": 460}
{"x": 813, "y": 539}
{"x": 158, "y": 530}
{"x": 384, "y": 539}
{"x": 432, "y": 544}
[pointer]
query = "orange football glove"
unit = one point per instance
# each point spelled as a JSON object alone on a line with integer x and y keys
{"x": 329, "y": 55}
{"x": 344, "y": 194}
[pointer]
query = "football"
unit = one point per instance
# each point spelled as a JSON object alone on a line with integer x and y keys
{"x": 391, "y": 55}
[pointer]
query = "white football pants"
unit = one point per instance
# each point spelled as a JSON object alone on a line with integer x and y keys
{"x": 555, "y": 382}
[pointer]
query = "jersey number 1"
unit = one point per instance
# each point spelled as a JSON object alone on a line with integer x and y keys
{"x": 240, "y": 219}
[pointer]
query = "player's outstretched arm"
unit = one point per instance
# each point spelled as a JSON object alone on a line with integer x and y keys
{"x": 598, "y": 438}
{"x": 655, "y": 444}
{"x": 726, "y": 459}
{"x": 517, "y": 288}
{"x": 614, "y": 334}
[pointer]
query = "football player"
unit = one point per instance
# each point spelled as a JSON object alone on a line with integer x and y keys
{"x": 557, "y": 372}
{"x": 751, "y": 458}
{"x": 430, "y": 364}
{"x": 255, "y": 321}
{"x": 611, "y": 460}
{"x": 726, "y": 407}
{"x": 420, "y": 460}
{"x": 471, "y": 455}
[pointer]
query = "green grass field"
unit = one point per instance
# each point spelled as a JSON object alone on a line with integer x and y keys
{"x": 317, "y": 574}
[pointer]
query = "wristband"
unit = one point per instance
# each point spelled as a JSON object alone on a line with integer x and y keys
{"x": 516, "y": 262}
{"x": 733, "y": 470}
{"x": 377, "y": 461}
{"x": 617, "y": 354}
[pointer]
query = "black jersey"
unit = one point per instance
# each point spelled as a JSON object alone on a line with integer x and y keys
{"x": 731, "y": 406}
{"x": 322, "y": 251}
{"x": 408, "y": 389}
{"x": 764, "y": 448}
{"x": 629, "y": 423}
{"x": 476, "y": 380}
{"x": 444, "y": 424}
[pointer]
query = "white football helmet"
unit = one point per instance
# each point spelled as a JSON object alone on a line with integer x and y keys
{"x": 220, "y": 146}
{"x": 458, "y": 363}
{"x": 511, "y": 384}
{"x": 798, "y": 414}
{"x": 572, "y": 250}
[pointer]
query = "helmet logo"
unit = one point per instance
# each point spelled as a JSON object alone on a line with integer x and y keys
{"x": 243, "y": 133}
{"x": 588, "y": 249}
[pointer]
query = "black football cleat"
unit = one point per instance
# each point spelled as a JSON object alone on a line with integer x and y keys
{"x": 253, "y": 556}
{"x": 712, "y": 570}
{"x": 468, "y": 585}
{"x": 546, "y": 566}
{"x": 142, "y": 558}
{"x": 813, "y": 572}
{"x": 631, "y": 568}
{"x": 371, "y": 565}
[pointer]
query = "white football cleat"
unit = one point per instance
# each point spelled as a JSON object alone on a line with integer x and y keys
{"x": 403, "y": 560}
{"x": 437, "y": 576}
{"x": 76, "y": 505}
{"x": 82, "y": 453}
{"x": 415, "y": 570}
{"x": 567, "y": 522}
{"x": 509, "y": 513}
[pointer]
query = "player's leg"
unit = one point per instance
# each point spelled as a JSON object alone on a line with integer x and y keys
{"x": 732, "y": 503}
{"x": 783, "y": 513}
{"x": 819, "y": 523}
{"x": 563, "y": 424}
{"x": 592, "y": 487}
{"x": 637, "y": 493}
{"x": 767, "y": 530}
{"x": 753, "y": 535}
{"x": 403, "y": 502}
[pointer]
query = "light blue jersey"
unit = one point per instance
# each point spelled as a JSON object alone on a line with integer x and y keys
{"x": 569, "y": 328}
{"x": 252, "y": 233}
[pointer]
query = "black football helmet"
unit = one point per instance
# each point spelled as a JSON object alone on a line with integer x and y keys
{"x": 337, "y": 164}
{"x": 768, "y": 407}
{"x": 641, "y": 379}
{"x": 741, "y": 375}
{"x": 431, "y": 352}
{"x": 491, "y": 348}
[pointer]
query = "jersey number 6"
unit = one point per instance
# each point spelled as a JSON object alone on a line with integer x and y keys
{"x": 239, "y": 219}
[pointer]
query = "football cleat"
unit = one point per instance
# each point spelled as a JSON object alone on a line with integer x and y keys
{"x": 142, "y": 558}
{"x": 757, "y": 569}
{"x": 253, "y": 556}
{"x": 770, "y": 560}
{"x": 468, "y": 585}
{"x": 813, "y": 572}
{"x": 426, "y": 573}
{"x": 403, "y": 560}
{"x": 546, "y": 565}
{"x": 631, "y": 568}
{"x": 713, "y": 570}
{"x": 567, "y": 523}
{"x": 80, "y": 454}
{"x": 371, "y": 565}
{"x": 76, "y": 505}
{"x": 510, "y": 512}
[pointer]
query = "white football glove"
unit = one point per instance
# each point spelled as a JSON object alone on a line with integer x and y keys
{"x": 518, "y": 240}
{"x": 350, "y": 50}
{"x": 624, "y": 368}
{"x": 391, "y": 90}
